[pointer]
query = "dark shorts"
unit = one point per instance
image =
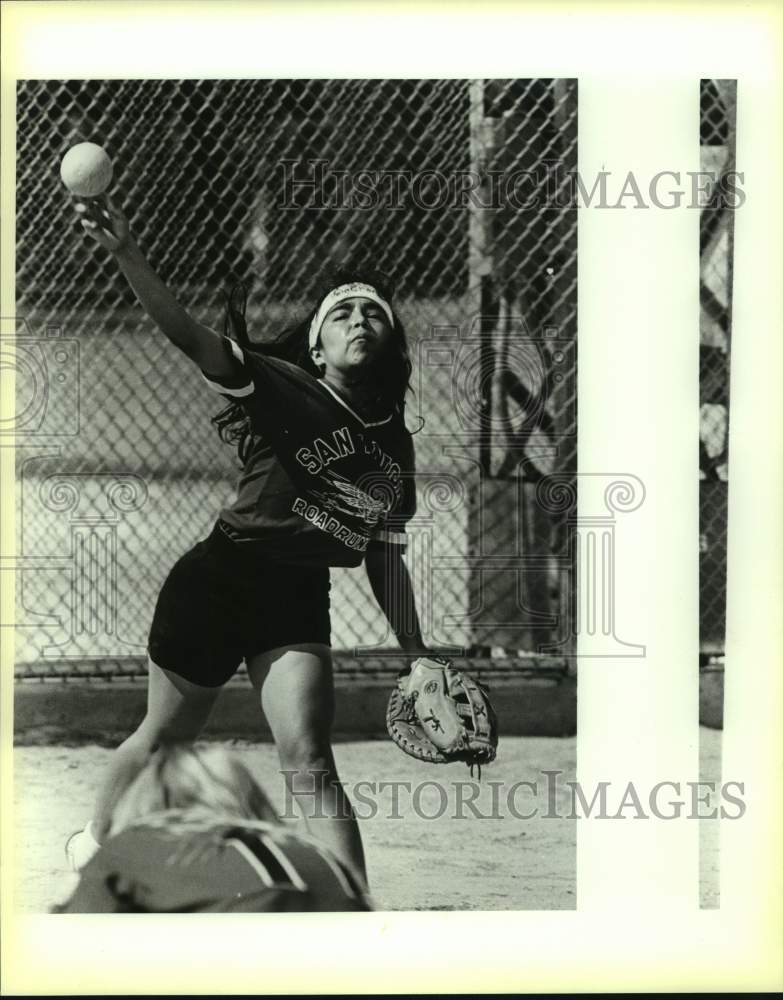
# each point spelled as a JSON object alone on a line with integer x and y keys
{"x": 223, "y": 602}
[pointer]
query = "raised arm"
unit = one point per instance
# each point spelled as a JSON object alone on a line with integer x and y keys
{"x": 108, "y": 226}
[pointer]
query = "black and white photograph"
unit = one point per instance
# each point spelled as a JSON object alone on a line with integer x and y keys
{"x": 717, "y": 137}
{"x": 377, "y": 441}
{"x": 385, "y": 513}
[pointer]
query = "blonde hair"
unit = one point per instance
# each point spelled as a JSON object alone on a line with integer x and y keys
{"x": 185, "y": 781}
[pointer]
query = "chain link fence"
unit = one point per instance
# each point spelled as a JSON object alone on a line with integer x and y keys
{"x": 718, "y": 144}
{"x": 118, "y": 468}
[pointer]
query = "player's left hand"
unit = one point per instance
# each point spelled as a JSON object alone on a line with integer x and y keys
{"x": 440, "y": 714}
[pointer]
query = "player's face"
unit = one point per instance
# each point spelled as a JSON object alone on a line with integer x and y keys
{"x": 353, "y": 335}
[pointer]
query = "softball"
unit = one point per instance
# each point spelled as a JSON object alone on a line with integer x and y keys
{"x": 86, "y": 170}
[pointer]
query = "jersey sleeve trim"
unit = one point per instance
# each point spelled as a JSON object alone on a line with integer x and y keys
{"x": 393, "y": 537}
{"x": 235, "y": 391}
{"x": 238, "y": 384}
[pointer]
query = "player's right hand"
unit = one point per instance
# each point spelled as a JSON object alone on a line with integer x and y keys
{"x": 104, "y": 222}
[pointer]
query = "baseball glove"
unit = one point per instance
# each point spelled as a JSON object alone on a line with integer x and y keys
{"x": 440, "y": 714}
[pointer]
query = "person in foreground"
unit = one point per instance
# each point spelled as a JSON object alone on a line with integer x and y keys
{"x": 327, "y": 480}
{"x": 194, "y": 832}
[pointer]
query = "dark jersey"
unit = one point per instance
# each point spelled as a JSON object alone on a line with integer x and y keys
{"x": 191, "y": 866}
{"x": 319, "y": 482}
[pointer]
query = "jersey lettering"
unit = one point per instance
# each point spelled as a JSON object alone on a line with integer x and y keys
{"x": 341, "y": 480}
{"x": 387, "y": 464}
{"x": 321, "y": 519}
{"x": 321, "y": 453}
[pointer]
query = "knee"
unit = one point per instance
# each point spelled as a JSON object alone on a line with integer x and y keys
{"x": 183, "y": 727}
{"x": 305, "y": 751}
{"x": 140, "y": 743}
{"x": 153, "y": 734}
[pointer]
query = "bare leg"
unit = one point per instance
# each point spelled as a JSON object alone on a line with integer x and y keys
{"x": 297, "y": 696}
{"x": 176, "y": 711}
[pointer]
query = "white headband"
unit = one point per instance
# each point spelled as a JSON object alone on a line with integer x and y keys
{"x": 355, "y": 290}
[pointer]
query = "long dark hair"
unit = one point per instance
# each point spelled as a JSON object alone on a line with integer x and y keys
{"x": 392, "y": 375}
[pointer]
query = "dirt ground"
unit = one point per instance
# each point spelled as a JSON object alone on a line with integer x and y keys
{"x": 471, "y": 856}
{"x": 475, "y": 856}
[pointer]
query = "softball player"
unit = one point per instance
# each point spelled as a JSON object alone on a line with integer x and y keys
{"x": 195, "y": 833}
{"x": 327, "y": 481}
